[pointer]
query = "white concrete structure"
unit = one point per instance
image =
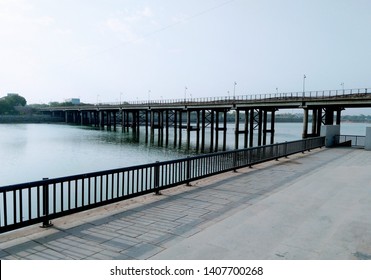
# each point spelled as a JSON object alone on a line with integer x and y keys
{"x": 330, "y": 131}
{"x": 368, "y": 139}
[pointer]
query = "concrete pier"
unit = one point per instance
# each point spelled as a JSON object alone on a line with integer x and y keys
{"x": 310, "y": 206}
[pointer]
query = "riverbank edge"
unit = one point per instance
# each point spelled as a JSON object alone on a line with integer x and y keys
{"x": 10, "y": 119}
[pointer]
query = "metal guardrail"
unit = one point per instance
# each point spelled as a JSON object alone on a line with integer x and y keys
{"x": 355, "y": 140}
{"x": 267, "y": 97}
{"x": 41, "y": 201}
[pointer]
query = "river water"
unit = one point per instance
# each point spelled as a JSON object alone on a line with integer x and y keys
{"x": 30, "y": 152}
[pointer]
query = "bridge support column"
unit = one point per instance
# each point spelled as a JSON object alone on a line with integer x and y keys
{"x": 203, "y": 125}
{"x": 175, "y": 127}
{"x": 305, "y": 124}
{"x": 198, "y": 130}
{"x": 251, "y": 132}
{"x": 188, "y": 129}
{"x": 152, "y": 126}
{"x": 180, "y": 128}
{"x": 216, "y": 131}
{"x": 212, "y": 126}
{"x": 338, "y": 116}
{"x": 246, "y": 130}
{"x": 114, "y": 120}
{"x": 225, "y": 130}
{"x": 258, "y": 121}
{"x": 236, "y": 128}
{"x": 160, "y": 127}
{"x": 101, "y": 119}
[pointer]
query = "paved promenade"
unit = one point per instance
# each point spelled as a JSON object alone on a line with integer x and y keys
{"x": 315, "y": 205}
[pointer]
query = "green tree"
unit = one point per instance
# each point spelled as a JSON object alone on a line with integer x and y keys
{"x": 9, "y": 102}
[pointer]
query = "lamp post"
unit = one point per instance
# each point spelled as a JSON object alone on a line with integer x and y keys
{"x": 304, "y": 85}
{"x": 149, "y": 95}
{"x": 185, "y": 93}
{"x": 234, "y": 90}
{"x": 120, "y": 97}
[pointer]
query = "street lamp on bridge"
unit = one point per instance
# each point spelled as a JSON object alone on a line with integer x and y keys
{"x": 234, "y": 90}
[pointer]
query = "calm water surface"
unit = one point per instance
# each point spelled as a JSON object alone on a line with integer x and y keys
{"x": 30, "y": 152}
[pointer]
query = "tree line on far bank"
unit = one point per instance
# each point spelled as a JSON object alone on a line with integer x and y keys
{"x": 12, "y": 104}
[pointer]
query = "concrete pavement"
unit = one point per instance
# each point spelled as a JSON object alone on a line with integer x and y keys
{"x": 310, "y": 206}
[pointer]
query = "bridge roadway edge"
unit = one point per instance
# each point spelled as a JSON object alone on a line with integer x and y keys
{"x": 191, "y": 222}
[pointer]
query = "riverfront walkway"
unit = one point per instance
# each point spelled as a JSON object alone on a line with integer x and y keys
{"x": 315, "y": 205}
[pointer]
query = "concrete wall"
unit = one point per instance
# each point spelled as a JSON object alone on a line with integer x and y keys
{"x": 368, "y": 139}
{"x": 329, "y": 131}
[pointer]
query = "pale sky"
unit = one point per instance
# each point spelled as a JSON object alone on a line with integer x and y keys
{"x": 96, "y": 50}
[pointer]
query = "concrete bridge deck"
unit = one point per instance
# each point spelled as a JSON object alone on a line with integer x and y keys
{"x": 315, "y": 205}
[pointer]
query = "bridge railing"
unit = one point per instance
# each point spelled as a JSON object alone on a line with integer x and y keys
{"x": 229, "y": 100}
{"x": 41, "y": 201}
{"x": 353, "y": 140}
{"x": 273, "y": 97}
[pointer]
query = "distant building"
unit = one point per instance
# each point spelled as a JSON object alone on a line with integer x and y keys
{"x": 74, "y": 101}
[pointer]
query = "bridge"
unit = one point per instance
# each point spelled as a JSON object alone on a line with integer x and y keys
{"x": 254, "y": 116}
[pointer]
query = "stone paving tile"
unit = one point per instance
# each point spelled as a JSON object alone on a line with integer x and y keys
{"x": 3, "y": 254}
{"x": 24, "y": 246}
{"x": 118, "y": 244}
{"x": 96, "y": 237}
{"x": 109, "y": 255}
{"x": 121, "y": 223}
{"x": 165, "y": 224}
{"x": 10, "y": 257}
{"x": 103, "y": 230}
{"x": 58, "y": 245}
{"x": 155, "y": 237}
{"x": 79, "y": 252}
{"x": 142, "y": 251}
{"x": 102, "y": 220}
{"x": 111, "y": 226}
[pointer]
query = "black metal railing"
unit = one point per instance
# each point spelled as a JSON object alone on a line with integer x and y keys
{"x": 352, "y": 140}
{"x": 41, "y": 201}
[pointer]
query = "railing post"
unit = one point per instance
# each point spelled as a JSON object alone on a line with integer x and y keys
{"x": 277, "y": 155}
{"x": 157, "y": 178}
{"x": 285, "y": 150}
{"x": 46, "y": 223}
{"x": 235, "y": 161}
{"x": 188, "y": 171}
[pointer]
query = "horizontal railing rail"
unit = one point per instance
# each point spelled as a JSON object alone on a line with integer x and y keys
{"x": 265, "y": 97}
{"x": 355, "y": 140}
{"x": 41, "y": 201}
